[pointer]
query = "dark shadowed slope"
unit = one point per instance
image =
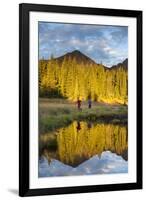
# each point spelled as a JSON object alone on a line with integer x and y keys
{"x": 78, "y": 56}
{"x": 124, "y": 65}
{"x": 81, "y": 58}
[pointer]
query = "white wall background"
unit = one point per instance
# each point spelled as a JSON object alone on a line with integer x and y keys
{"x": 9, "y": 97}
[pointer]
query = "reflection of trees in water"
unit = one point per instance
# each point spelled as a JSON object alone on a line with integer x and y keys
{"x": 80, "y": 141}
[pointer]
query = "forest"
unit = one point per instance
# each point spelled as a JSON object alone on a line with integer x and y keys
{"x": 80, "y": 141}
{"x": 73, "y": 134}
{"x": 74, "y": 80}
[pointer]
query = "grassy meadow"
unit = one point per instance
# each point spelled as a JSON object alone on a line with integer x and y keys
{"x": 56, "y": 113}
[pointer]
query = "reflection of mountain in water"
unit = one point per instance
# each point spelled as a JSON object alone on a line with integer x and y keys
{"x": 80, "y": 141}
{"x": 108, "y": 163}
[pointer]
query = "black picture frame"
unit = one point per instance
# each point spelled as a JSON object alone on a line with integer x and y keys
{"x": 24, "y": 10}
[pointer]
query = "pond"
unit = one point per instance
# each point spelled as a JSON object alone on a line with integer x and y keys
{"x": 84, "y": 148}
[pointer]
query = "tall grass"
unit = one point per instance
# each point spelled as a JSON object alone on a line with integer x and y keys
{"x": 58, "y": 113}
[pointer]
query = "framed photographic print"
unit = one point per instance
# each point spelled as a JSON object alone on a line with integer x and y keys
{"x": 80, "y": 99}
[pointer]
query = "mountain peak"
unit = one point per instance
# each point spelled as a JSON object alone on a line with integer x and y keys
{"x": 76, "y": 52}
{"x": 78, "y": 56}
{"x": 124, "y": 65}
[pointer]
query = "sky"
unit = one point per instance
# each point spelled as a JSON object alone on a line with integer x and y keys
{"x": 108, "y": 163}
{"x": 104, "y": 44}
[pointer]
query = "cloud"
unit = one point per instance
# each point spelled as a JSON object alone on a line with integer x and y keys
{"x": 108, "y": 163}
{"x": 108, "y": 44}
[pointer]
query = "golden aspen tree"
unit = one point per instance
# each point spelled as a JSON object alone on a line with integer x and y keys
{"x": 74, "y": 80}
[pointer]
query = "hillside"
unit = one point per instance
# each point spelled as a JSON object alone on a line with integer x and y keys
{"x": 124, "y": 65}
{"x": 81, "y": 58}
{"x": 77, "y": 55}
{"x": 74, "y": 75}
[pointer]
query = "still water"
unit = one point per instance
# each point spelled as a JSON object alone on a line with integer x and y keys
{"x": 84, "y": 148}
